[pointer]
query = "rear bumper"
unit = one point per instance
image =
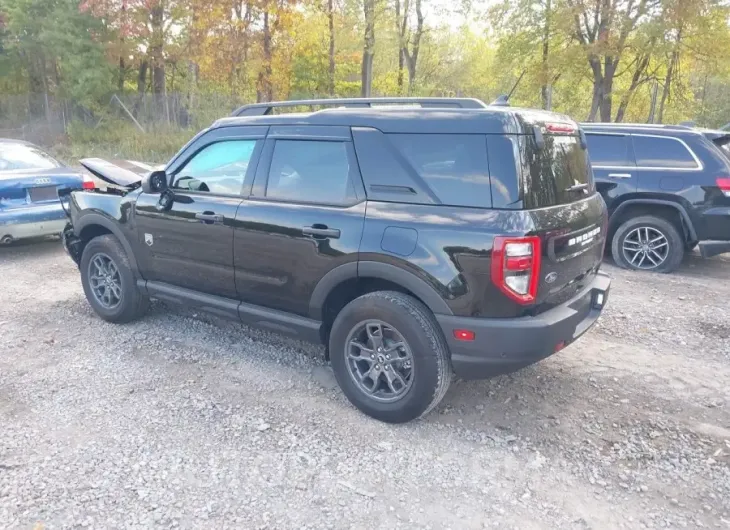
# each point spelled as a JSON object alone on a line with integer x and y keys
{"x": 713, "y": 248}
{"x": 505, "y": 345}
{"x": 32, "y": 221}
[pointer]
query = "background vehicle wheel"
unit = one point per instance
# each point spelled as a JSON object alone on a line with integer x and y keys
{"x": 389, "y": 356}
{"x": 648, "y": 243}
{"x": 108, "y": 281}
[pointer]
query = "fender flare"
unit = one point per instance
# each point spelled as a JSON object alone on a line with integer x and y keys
{"x": 91, "y": 219}
{"x": 681, "y": 209}
{"x": 383, "y": 271}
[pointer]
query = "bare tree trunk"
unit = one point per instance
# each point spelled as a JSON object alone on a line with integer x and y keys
{"x": 122, "y": 65}
{"x": 264, "y": 89}
{"x": 368, "y": 52}
{"x": 666, "y": 91}
{"x": 401, "y": 23}
{"x": 142, "y": 77}
{"x": 545, "y": 88}
{"x": 331, "y": 24}
{"x": 157, "y": 15}
{"x": 597, "y": 91}
{"x": 606, "y": 105}
{"x": 412, "y": 56}
{"x": 636, "y": 80}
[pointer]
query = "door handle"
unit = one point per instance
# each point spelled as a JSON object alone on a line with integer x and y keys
{"x": 619, "y": 175}
{"x": 321, "y": 232}
{"x": 209, "y": 217}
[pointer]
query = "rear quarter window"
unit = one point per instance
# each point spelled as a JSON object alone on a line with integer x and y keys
{"x": 453, "y": 166}
{"x": 662, "y": 152}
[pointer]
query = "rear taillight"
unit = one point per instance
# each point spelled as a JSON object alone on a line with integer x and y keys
{"x": 724, "y": 184}
{"x": 516, "y": 267}
{"x": 88, "y": 183}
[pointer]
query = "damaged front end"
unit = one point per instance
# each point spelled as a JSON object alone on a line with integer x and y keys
{"x": 91, "y": 211}
{"x": 72, "y": 243}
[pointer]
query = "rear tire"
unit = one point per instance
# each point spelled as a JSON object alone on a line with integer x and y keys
{"x": 648, "y": 243}
{"x": 414, "y": 377}
{"x": 109, "y": 282}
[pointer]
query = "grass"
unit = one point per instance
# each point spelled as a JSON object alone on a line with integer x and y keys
{"x": 121, "y": 140}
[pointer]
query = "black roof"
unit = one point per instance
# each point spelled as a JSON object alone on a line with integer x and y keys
{"x": 485, "y": 120}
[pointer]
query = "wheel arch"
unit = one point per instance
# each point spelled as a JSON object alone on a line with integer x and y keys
{"x": 645, "y": 206}
{"x": 372, "y": 270}
{"x": 92, "y": 225}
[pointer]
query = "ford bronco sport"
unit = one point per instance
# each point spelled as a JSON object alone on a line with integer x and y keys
{"x": 439, "y": 236}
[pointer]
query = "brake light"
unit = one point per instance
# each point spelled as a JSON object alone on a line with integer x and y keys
{"x": 465, "y": 335}
{"x": 88, "y": 183}
{"x": 516, "y": 267}
{"x": 564, "y": 128}
{"x": 724, "y": 184}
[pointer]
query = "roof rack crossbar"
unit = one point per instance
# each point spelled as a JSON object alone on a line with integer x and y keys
{"x": 263, "y": 109}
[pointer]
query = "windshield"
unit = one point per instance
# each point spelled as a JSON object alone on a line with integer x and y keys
{"x": 15, "y": 156}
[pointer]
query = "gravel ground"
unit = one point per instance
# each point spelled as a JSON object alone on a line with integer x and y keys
{"x": 181, "y": 420}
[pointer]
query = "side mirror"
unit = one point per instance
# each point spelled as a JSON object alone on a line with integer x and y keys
{"x": 155, "y": 182}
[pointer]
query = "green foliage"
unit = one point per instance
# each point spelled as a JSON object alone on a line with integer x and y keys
{"x": 121, "y": 139}
{"x": 54, "y": 47}
{"x": 216, "y": 54}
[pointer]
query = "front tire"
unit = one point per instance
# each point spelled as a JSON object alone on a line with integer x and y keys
{"x": 648, "y": 243}
{"x": 389, "y": 356}
{"x": 109, "y": 282}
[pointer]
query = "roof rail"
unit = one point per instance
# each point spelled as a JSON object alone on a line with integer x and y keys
{"x": 642, "y": 125}
{"x": 262, "y": 109}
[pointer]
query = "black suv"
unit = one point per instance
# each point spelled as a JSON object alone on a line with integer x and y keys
{"x": 667, "y": 189}
{"x": 412, "y": 241}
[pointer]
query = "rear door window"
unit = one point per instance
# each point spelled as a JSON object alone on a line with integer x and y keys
{"x": 310, "y": 171}
{"x": 610, "y": 150}
{"x": 557, "y": 173}
{"x": 453, "y": 166}
{"x": 663, "y": 152}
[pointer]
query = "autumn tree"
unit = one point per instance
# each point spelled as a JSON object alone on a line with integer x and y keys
{"x": 603, "y": 28}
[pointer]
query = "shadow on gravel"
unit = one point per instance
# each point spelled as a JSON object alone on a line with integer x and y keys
{"x": 693, "y": 266}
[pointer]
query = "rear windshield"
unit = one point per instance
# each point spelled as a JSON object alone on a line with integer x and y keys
{"x": 557, "y": 174}
{"x": 14, "y": 156}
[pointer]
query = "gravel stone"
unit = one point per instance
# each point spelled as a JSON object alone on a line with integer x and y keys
{"x": 181, "y": 420}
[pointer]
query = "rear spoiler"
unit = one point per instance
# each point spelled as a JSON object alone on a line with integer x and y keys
{"x": 125, "y": 173}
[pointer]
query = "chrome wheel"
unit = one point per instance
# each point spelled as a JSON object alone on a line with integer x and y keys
{"x": 380, "y": 361}
{"x": 645, "y": 248}
{"x": 105, "y": 281}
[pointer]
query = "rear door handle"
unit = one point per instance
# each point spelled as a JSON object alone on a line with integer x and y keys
{"x": 209, "y": 217}
{"x": 619, "y": 175}
{"x": 321, "y": 231}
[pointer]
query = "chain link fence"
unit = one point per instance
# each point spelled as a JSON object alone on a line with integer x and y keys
{"x": 47, "y": 120}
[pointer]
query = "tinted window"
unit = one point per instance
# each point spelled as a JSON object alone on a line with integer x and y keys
{"x": 217, "y": 168}
{"x": 609, "y": 150}
{"x": 504, "y": 154}
{"x": 23, "y": 156}
{"x": 454, "y": 166}
{"x": 652, "y": 151}
{"x": 310, "y": 171}
{"x": 557, "y": 174}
